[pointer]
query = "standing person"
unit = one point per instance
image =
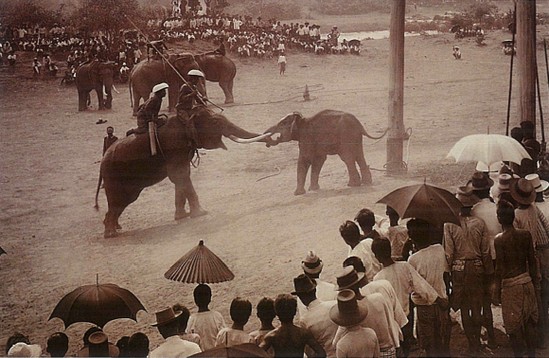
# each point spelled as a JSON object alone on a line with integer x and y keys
{"x": 433, "y": 321}
{"x": 36, "y": 67}
{"x": 468, "y": 253}
{"x": 289, "y": 340}
{"x": 148, "y": 111}
{"x": 397, "y": 234}
{"x": 58, "y": 344}
{"x": 281, "y": 63}
{"x": 317, "y": 314}
{"x": 357, "y": 341}
{"x": 173, "y": 345}
{"x": 515, "y": 268}
{"x": 109, "y": 139}
{"x": 485, "y": 210}
{"x": 366, "y": 219}
{"x": 240, "y": 311}
{"x": 312, "y": 267}
{"x": 405, "y": 280}
{"x": 138, "y": 345}
{"x": 529, "y": 217}
{"x": 266, "y": 315}
{"x": 183, "y": 320}
{"x": 361, "y": 248}
{"x": 206, "y": 323}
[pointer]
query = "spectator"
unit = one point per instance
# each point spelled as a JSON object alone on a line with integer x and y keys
{"x": 173, "y": 345}
{"x": 58, "y": 344}
{"x": 16, "y": 338}
{"x": 206, "y": 323}
{"x": 266, "y": 315}
{"x": 109, "y": 139}
{"x": 282, "y": 63}
{"x": 98, "y": 346}
{"x": 183, "y": 320}
{"x": 122, "y": 345}
{"x": 240, "y": 311}
{"x": 138, "y": 345}
{"x": 361, "y": 248}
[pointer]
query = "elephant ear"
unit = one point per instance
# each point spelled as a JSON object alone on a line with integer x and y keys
{"x": 297, "y": 125}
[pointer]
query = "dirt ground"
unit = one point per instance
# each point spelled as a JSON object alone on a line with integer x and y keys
{"x": 50, "y": 162}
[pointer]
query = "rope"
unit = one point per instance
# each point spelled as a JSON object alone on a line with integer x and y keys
{"x": 270, "y": 175}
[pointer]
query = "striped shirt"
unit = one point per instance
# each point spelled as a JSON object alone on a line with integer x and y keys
{"x": 533, "y": 220}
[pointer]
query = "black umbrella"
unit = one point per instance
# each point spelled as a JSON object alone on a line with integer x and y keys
{"x": 97, "y": 304}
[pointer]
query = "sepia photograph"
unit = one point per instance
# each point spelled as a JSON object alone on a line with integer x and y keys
{"x": 274, "y": 178}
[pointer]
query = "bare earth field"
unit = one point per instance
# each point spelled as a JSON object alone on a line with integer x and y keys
{"x": 50, "y": 161}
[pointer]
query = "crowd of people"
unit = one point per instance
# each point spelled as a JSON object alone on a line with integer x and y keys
{"x": 395, "y": 278}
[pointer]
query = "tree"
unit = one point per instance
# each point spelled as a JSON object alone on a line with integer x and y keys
{"x": 26, "y": 12}
{"x": 482, "y": 9}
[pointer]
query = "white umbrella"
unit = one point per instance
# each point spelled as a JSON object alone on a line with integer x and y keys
{"x": 488, "y": 149}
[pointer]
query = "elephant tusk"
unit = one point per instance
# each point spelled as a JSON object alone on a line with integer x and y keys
{"x": 249, "y": 140}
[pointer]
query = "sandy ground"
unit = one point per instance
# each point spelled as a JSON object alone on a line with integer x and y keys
{"x": 49, "y": 169}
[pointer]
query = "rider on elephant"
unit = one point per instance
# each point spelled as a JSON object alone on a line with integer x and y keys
{"x": 148, "y": 111}
{"x": 189, "y": 96}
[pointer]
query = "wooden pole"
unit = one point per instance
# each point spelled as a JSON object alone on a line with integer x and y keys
{"x": 526, "y": 59}
{"x": 396, "y": 136}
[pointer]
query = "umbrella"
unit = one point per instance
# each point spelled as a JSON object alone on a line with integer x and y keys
{"x": 423, "y": 201}
{"x": 199, "y": 265}
{"x": 97, "y": 304}
{"x": 241, "y": 350}
{"x": 488, "y": 148}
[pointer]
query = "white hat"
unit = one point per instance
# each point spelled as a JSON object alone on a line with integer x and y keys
{"x": 25, "y": 350}
{"x": 160, "y": 87}
{"x": 312, "y": 264}
{"x": 195, "y": 73}
{"x": 539, "y": 185}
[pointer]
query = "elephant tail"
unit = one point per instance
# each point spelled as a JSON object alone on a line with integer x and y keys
{"x": 131, "y": 94}
{"x": 96, "y": 206}
{"x": 372, "y": 137}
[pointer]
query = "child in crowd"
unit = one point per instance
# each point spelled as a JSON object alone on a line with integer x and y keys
{"x": 266, "y": 314}
{"x": 240, "y": 311}
{"x": 206, "y": 323}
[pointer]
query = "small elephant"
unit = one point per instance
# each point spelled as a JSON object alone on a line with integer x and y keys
{"x": 326, "y": 133}
{"x": 98, "y": 76}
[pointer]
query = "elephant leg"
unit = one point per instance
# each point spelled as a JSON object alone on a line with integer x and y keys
{"x": 136, "y": 99}
{"x": 100, "y": 103}
{"x": 316, "y": 166}
{"x": 180, "y": 174}
{"x": 118, "y": 199}
{"x": 364, "y": 168}
{"x": 227, "y": 90}
{"x": 302, "y": 169}
{"x": 348, "y": 157}
{"x": 82, "y": 100}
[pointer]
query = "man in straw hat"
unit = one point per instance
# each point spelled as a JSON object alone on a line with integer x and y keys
{"x": 515, "y": 271}
{"x": 173, "y": 346}
{"x": 316, "y": 317}
{"x": 529, "y": 217}
{"x": 381, "y": 317}
{"x": 99, "y": 346}
{"x": 312, "y": 266}
{"x": 485, "y": 210}
{"x": 468, "y": 254}
{"x": 357, "y": 341}
{"x": 289, "y": 340}
{"x": 433, "y": 322}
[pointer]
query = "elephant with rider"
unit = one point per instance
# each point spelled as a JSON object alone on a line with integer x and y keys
{"x": 148, "y": 73}
{"x": 326, "y": 133}
{"x": 97, "y": 76}
{"x": 218, "y": 68}
{"x": 128, "y": 166}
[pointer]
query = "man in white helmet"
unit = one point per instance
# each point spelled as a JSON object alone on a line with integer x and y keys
{"x": 189, "y": 96}
{"x": 148, "y": 111}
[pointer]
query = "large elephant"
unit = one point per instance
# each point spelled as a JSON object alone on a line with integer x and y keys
{"x": 218, "y": 68}
{"x": 98, "y": 76}
{"x": 327, "y": 132}
{"x": 148, "y": 73}
{"x": 128, "y": 167}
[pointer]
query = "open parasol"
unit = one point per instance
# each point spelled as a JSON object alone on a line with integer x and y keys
{"x": 199, "y": 265}
{"x": 423, "y": 201}
{"x": 488, "y": 149}
{"x": 98, "y": 304}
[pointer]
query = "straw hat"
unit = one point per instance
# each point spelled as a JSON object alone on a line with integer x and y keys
{"x": 348, "y": 312}
{"x": 99, "y": 346}
{"x": 165, "y": 316}
{"x": 348, "y": 278}
{"x": 25, "y": 350}
{"x": 312, "y": 264}
{"x": 160, "y": 87}
{"x": 466, "y": 196}
{"x": 303, "y": 284}
{"x": 481, "y": 181}
{"x": 539, "y": 185}
{"x": 523, "y": 191}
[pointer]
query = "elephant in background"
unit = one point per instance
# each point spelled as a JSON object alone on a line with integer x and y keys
{"x": 128, "y": 167}
{"x": 98, "y": 76}
{"x": 326, "y": 133}
{"x": 148, "y": 73}
{"x": 218, "y": 68}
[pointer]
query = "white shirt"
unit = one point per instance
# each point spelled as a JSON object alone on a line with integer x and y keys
{"x": 317, "y": 319}
{"x": 175, "y": 347}
{"x": 363, "y": 250}
{"x": 405, "y": 280}
{"x": 325, "y": 291}
{"x": 358, "y": 342}
{"x": 207, "y": 325}
{"x": 431, "y": 264}
{"x": 229, "y": 337}
{"x": 486, "y": 210}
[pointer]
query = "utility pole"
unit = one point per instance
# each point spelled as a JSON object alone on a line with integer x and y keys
{"x": 526, "y": 59}
{"x": 396, "y": 134}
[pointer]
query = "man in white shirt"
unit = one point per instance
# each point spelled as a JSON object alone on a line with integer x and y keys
{"x": 361, "y": 248}
{"x": 174, "y": 346}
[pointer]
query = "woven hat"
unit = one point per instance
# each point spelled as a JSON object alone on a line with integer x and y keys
{"x": 25, "y": 350}
{"x": 160, "y": 87}
{"x": 303, "y": 284}
{"x": 523, "y": 191}
{"x": 481, "y": 181}
{"x": 466, "y": 196}
{"x": 99, "y": 346}
{"x": 539, "y": 185}
{"x": 348, "y": 278}
{"x": 312, "y": 264}
{"x": 165, "y": 316}
{"x": 348, "y": 312}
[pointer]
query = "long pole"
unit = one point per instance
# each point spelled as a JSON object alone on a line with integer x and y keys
{"x": 396, "y": 136}
{"x": 511, "y": 71}
{"x": 526, "y": 59}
